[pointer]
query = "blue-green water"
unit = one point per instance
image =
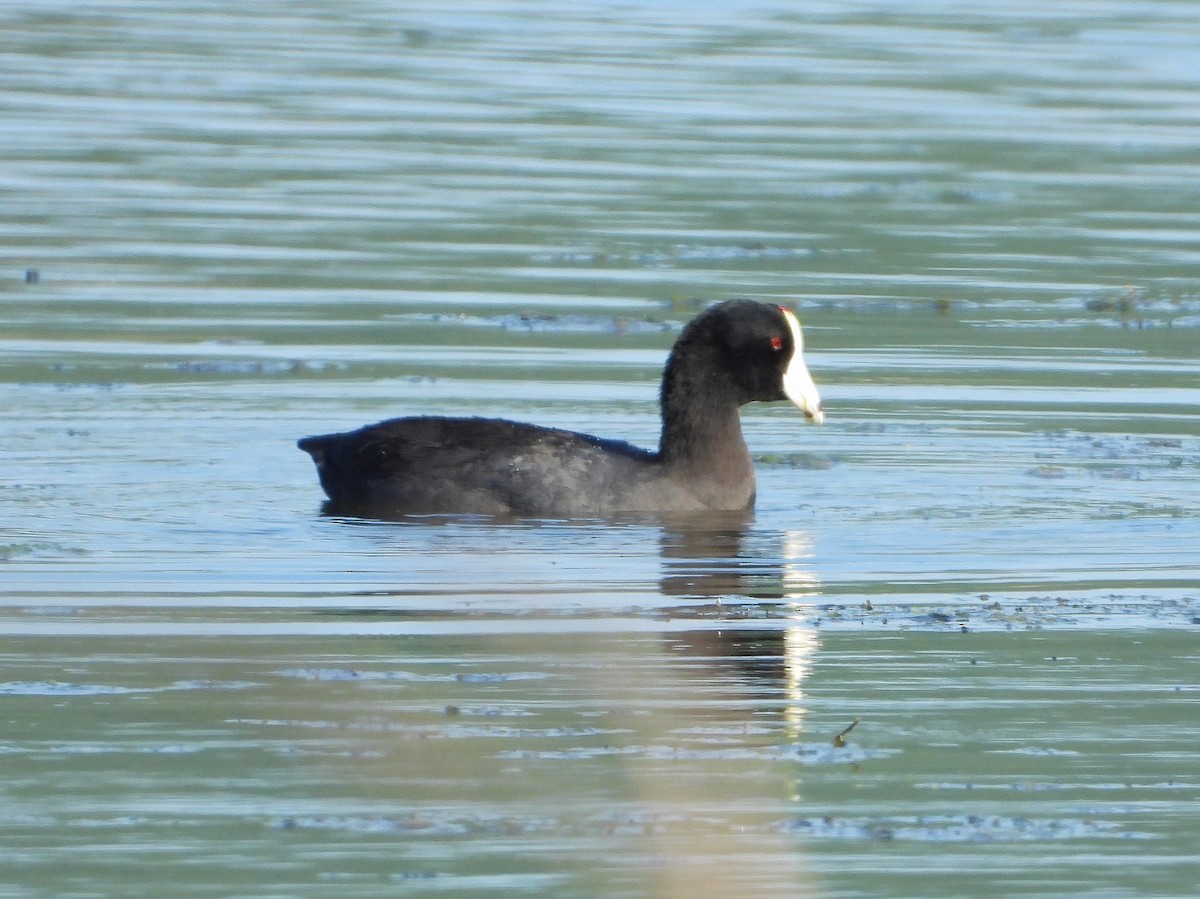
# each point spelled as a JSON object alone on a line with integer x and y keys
{"x": 228, "y": 226}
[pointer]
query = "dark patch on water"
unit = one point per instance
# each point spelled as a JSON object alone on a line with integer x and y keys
{"x": 245, "y": 367}
{"x": 419, "y": 824}
{"x": 992, "y": 612}
{"x": 545, "y": 323}
{"x": 804, "y": 753}
{"x": 958, "y": 829}
{"x": 56, "y": 688}
{"x": 1070, "y": 786}
{"x": 37, "y": 549}
{"x": 676, "y": 255}
{"x": 356, "y": 675}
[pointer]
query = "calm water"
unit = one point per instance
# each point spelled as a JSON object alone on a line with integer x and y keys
{"x": 249, "y": 223}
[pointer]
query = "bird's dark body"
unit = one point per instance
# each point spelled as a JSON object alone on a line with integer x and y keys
{"x": 734, "y": 353}
{"x": 490, "y": 465}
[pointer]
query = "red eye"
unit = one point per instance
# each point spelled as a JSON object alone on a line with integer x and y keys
{"x": 777, "y": 343}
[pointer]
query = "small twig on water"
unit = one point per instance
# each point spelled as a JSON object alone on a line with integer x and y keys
{"x": 840, "y": 740}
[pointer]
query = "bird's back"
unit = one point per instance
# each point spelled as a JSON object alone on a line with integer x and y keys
{"x": 481, "y": 465}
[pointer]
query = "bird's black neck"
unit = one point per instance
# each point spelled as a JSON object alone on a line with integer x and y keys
{"x": 702, "y": 430}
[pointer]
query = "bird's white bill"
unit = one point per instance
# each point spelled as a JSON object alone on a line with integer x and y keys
{"x": 798, "y": 384}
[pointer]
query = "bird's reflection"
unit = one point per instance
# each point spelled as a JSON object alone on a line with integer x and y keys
{"x": 741, "y": 576}
{"x": 677, "y": 709}
{"x": 754, "y": 584}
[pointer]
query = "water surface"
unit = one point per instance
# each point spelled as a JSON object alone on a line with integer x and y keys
{"x": 226, "y": 227}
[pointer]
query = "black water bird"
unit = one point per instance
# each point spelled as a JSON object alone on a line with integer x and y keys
{"x": 733, "y": 353}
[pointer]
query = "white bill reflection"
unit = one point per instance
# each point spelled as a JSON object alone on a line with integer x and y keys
{"x": 801, "y": 639}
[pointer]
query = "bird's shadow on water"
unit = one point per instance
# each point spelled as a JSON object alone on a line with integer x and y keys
{"x": 748, "y": 590}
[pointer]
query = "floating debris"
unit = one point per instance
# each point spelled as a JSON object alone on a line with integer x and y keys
{"x": 545, "y": 323}
{"x": 354, "y": 674}
{"x": 840, "y": 740}
{"x": 958, "y": 829}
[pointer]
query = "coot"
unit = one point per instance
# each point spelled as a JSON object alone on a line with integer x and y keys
{"x": 731, "y": 354}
